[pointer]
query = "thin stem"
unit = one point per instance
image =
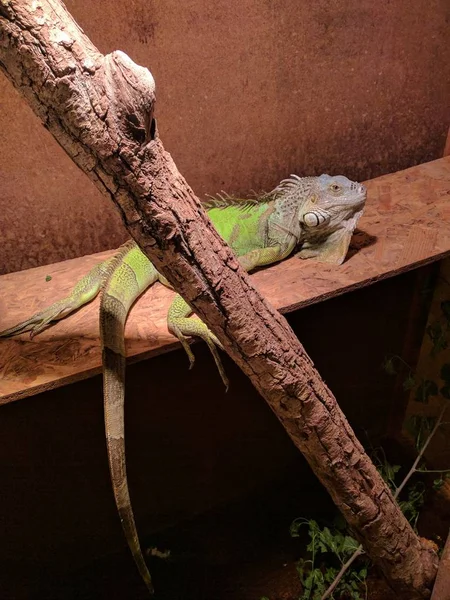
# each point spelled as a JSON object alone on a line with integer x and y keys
{"x": 432, "y": 470}
{"x": 401, "y": 360}
{"x": 410, "y": 473}
{"x": 413, "y": 469}
{"x": 342, "y": 572}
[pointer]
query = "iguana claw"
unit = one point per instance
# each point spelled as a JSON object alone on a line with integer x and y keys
{"x": 43, "y": 319}
{"x": 209, "y": 338}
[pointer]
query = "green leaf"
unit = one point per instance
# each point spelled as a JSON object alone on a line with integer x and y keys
{"x": 391, "y": 471}
{"x": 302, "y": 569}
{"x": 363, "y": 573}
{"x": 425, "y": 426}
{"x": 438, "y": 337}
{"x": 438, "y": 483}
{"x": 412, "y": 505}
{"x": 327, "y": 541}
{"x": 426, "y": 389}
{"x": 48, "y": 278}
{"x": 445, "y": 307}
{"x": 388, "y": 366}
{"x": 445, "y": 391}
{"x": 296, "y": 525}
{"x": 409, "y": 383}
{"x": 412, "y": 425}
{"x": 315, "y": 584}
{"x": 330, "y": 575}
{"x": 445, "y": 372}
{"x": 350, "y": 545}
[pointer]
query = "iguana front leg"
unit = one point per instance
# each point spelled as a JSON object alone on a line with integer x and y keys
{"x": 266, "y": 256}
{"x": 179, "y": 323}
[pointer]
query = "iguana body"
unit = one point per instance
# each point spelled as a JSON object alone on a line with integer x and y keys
{"x": 317, "y": 215}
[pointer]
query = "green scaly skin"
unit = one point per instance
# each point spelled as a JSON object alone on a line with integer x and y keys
{"x": 317, "y": 214}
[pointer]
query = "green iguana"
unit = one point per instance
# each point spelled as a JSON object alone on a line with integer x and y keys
{"x": 316, "y": 215}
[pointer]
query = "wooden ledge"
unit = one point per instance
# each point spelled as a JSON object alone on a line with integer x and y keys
{"x": 406, "y": 224}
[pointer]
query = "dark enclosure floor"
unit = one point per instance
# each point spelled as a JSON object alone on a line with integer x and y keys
{"x": 239, "y": 552}
{"x": 242, "y": 551}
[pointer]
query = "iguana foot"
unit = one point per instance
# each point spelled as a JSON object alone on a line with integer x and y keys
{"x": 182, "y": 326}
{"x": 42, "y": 320}
{"x": 84, "y": 291}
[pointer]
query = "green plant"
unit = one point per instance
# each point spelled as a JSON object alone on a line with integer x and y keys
{"x": 330, "y": 548}
{"x": 439, "y": 329}
{"x": 320, "y": 579}
{"x": 412, "y": 504}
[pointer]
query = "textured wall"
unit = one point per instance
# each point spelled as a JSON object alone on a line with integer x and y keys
{"x": 248, "y": 92}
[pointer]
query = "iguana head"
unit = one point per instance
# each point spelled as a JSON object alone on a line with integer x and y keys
{"x": 329, "y": 216}
{"x": 332, "y": 197}
{"x": 318, "y": 202}
{"x": 321, "y": 212}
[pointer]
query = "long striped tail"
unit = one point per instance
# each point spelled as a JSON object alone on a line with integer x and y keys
{"x": 131, "y": 274}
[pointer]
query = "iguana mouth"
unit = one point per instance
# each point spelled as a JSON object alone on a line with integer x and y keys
{"x": 358, "y": 197}
{"x": 351, "y": 203}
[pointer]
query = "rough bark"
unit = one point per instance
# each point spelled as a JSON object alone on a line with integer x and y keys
{"x": 100, "y": 109}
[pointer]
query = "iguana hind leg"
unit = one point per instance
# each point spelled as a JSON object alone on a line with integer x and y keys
{"x": 84, "y": 291}
{"x": 181, "y": 325}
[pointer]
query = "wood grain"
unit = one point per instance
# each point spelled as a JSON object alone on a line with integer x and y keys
{"x": 406, "y": 224}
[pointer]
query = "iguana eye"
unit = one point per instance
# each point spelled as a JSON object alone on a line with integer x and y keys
{"x": 335, "y": 187}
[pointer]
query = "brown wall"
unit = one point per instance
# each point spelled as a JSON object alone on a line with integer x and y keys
{"x": 248, "y": 92}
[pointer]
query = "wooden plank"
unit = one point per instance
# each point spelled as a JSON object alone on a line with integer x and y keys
{"x": 406, "y": 224}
